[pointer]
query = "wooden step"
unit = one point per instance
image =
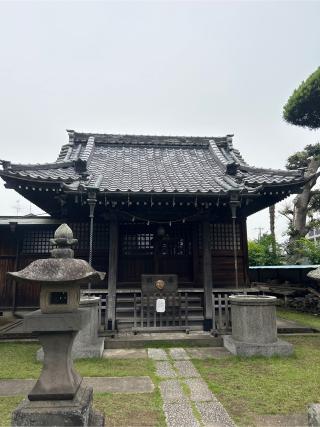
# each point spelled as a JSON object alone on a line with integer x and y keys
{"x": 191, "y": 318}
{"x": 138, "y": 299}
{"x": 183, "y": 309}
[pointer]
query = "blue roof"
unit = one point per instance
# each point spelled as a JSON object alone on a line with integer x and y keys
{"x": 283, "y": 267}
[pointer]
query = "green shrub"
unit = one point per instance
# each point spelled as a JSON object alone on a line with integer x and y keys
{"x": 264, "y": 251}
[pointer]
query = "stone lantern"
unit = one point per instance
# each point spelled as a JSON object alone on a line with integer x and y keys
{"x": 58, "y": 397}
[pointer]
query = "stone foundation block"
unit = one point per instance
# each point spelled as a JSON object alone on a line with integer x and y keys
{"x": 76, "y": 412}
{"x": 239, "y": 348}
{"x": 81, "y": 352}
{"x": 314, "y": 415}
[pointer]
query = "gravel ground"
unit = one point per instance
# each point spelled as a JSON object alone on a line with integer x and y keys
{"x": 179, "y": 415}
{"x": 165, "y": 370}
{"x": 199, "y": 390}
{"x": 214, "y": 414}
{"x": 171, "y": 391}
{"x": 186, "y": 369}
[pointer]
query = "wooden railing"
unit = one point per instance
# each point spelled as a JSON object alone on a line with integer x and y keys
{"x": 221, "y": 312}
{"x": 103, "y": 303}
{"x": 221, "y": 307}
{"x": 145, "y": 316}
{"x": 177, "y": 314}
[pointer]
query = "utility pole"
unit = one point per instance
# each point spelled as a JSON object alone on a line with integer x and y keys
{"x": 17, "y": 206}
{"x": 260, "y": 232}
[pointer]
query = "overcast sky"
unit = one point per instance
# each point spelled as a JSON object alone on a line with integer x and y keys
{"x": 176, "y": 68}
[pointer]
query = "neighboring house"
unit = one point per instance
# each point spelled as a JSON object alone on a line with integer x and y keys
{"x": 157, "y": 205}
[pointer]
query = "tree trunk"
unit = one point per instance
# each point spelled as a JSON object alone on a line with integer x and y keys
{"x": 272, "y": 220}
{"x": 302, "y": 200}
{"x": 272, "y": 213}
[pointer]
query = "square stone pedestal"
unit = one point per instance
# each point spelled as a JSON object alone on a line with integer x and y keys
{"x": 76, "y": 412}
{"x": 278, "y": 348}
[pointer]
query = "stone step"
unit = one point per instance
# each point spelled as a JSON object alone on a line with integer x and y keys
{"x": 175, "y": 339}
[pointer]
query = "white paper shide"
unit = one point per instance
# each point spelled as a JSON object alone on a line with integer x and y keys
{"x": 161, "y": 305}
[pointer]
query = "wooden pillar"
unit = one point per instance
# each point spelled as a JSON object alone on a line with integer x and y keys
{"x": 195, "y": 253}
{"x": 113, "y": 271}
{"x": 16, "y": 264}
{"x": 14, "y": 283}
{"x": 207, "y": 275}
{"x": 244, "y": 242}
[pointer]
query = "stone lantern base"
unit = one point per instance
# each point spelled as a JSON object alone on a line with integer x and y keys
{"x": 76, "y": 412}
{"x": 239, "y": 348}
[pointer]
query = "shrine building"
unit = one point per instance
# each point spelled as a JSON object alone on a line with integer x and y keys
{"x": 164, "y": 216}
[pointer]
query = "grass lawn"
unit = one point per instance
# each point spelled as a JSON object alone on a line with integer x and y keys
{"x": 18, "y": 360}
{"x": 136, "y": 410}
{"x": 246, "y": 387}
{"x": 311, "y": 320}
{"x": 143, "y": 409}
{"x": 257, "y": 386}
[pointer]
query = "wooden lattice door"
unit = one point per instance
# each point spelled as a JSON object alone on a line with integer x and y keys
{"x": 155, "y": 249}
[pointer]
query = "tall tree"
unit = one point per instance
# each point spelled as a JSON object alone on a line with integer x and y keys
{"x": 303, "y": 109}
{"x": 303, "y": 106}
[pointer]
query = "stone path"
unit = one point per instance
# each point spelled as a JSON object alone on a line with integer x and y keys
{"x": 157, "y": 354}
{"x": 208, "y": 352}
{"x": 165, "y": 370}
{"x": 99, "y": 384}
{"x": 187, "y": 399}
{"x": 125, "y": 353}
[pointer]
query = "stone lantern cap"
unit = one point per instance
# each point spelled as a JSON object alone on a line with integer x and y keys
{"x": 61, "y": 268}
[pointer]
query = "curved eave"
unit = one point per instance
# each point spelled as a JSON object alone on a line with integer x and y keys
{"x": 27, "y": 177}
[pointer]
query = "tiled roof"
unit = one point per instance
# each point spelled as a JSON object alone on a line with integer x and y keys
{"x": 152, "y": 164}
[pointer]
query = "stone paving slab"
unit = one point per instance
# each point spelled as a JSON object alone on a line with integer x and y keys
{"x": 292, "y": 420}
{"x": 120, "y": 384}
{"x": 213, "y": 414}
{"x": 99, "y": 384}
{"x": 186, "y": 369}
{"x": 207, "y": 352}
{"x": 16, "y": 387}
{"x": 157, "y": 354}
{"x": 171, "y": 391}
{"x": 179, "y": 415}
{"x": 165, "y": 370}
{"x": 199, "y": 391}
{"x": 178, "y": 354}
{"x": 125, "y": 353}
